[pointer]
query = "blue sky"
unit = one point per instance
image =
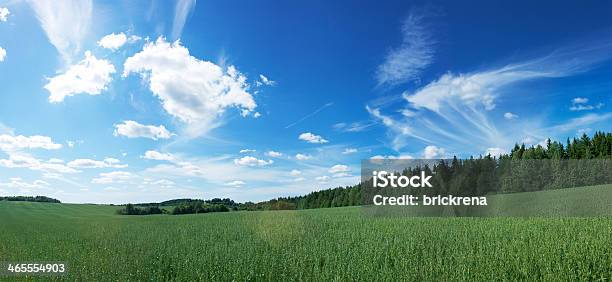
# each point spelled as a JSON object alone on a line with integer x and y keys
{"x": 114, "y": 102}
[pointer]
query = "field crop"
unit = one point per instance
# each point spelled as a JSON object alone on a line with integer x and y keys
{"x": 311, "y": 245}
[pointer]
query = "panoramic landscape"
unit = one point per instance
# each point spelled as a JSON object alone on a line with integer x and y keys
{"x": 305, "y": 141}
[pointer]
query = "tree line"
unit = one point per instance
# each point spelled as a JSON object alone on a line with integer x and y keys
{"x": 180, "y": 206}
{"x": 41, "y": 199}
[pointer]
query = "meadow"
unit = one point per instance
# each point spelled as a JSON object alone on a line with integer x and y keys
{"x": 309, "y": 245}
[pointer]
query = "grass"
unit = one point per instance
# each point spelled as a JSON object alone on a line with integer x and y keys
{"x": 312, "y": 245}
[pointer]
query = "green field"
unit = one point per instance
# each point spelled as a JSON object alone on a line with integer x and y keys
{"x": 312, "y": 245}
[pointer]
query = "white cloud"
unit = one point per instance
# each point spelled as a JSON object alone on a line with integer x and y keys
{"x": 510, "y": 116}
{"x": 132, "y": 129}
{"x": 196, "y": 92}
{"x": 581, "y": 131}
{"x": 235, "y": 183}
{"x": 155, "y": 155}
{"x": 66, "y": 23}
{"x": 433, "y": 152}
{"x": 4, "y": 13}
{"x": 581, "y": 108}
{"x": 415, "y": 53}
{"x": 181, "y": 12}
{"x": 348, "y": 151}
{"x": 303, "y": 157}
{"x": 263, "y": 80}
{"x": 381, "y": 157}
{"x": 113, "y": 41}
{"x": 339, "y": 169}
{"x": 582, "y": 121}
{"x": 580, "y": 100}
{"x": 246, "y": 151}
{"x": 454, "y": 111}
{"x": 55, "y": 161}
{"x": 2, "y": 54}
{"x": 89, "y": 76}
{"x": 134, "y": 38}
{"x": 252, "y": 161}
{"x": 495, "y": 152}
{"x": 17, "y": 182}
{"x": 476, "y": 89}
{"x": 322, "y": 179}
{"x": 19, "y": 160}
{"x": 312, "y": 138}
{"x": 580, "y": 104}
{"x": 274, "y": 154}
{"x": 19, "y": 142}
{"x": 89, "y": 163}
{"x": 112, "y": 177}
{"x": 357, "y": 126}
{"x": 295, "y": 173}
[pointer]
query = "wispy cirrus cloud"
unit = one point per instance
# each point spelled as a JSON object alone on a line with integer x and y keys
{"x": 459, "y": 111}
{"x": 66, "y": 23}
{"x": 182, "y": 9}
{"x": 416, "y": 52}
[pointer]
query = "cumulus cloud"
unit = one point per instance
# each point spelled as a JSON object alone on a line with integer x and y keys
{"x": 66, "y": 23}
{"x": 2, "y": 54}
{"x": 340, "y": 170}
{"x": 312, "y": 138}
{"x": 348, "y": 151}
{"x": 196, "y": 92}
{"x": 132, "y": 129}
{"x": 20, "y": 160}
{"x": 4, "y": 13}
{"x": 303, "y": 157}
{"x": 89, "y": 76}
{"x": 509, "y": 116}
{"x": 155, "y": 155}
{"x": 246, "y": 151}
{"x": 415, "y": 53}
{"x": 19, "y": 142}
{"x": 433, "y": 152}
{"x": 295, "y": 173}
{"x": 274, "y": 154}
{"x": 112, "y": 177}
{"x": 113, "y": 41}
{"x": 252, "y": 161}
{"x": 89, "y": 163}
